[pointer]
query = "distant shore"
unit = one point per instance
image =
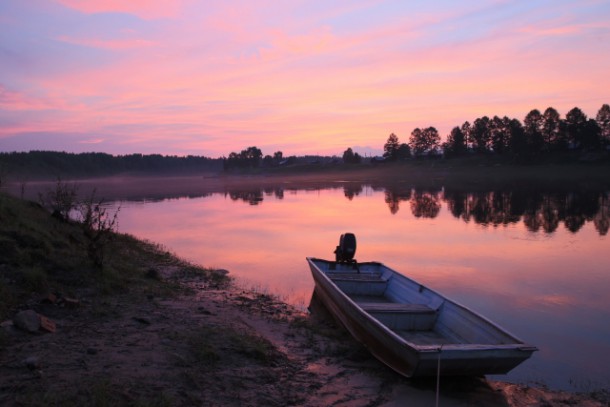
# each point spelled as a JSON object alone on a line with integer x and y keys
{"x": 485, "y": 175}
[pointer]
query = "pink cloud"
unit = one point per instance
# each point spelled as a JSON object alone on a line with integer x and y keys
{"x": 225, "y": 77}
{"x": 146, "y": 9}
{"x": 118, "y": 45}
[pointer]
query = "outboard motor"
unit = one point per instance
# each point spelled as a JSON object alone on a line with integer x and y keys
{"x": 344, "y": 253}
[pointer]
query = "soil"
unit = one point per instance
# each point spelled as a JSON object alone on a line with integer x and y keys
{"x": 218, "y": 347}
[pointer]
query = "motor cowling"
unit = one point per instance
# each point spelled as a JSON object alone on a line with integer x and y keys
{"x": 345, "y": 252}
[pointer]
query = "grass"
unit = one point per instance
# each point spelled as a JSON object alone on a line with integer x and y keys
{"x": 95, "y": 392}
{"x": 40, "y": 253}
{"x": 212, "y": 345}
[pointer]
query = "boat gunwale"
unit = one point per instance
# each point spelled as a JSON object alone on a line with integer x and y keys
{"x": 517, "y": 343}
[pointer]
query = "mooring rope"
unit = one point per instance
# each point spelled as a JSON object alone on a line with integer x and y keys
{"x": 438, "y": 374}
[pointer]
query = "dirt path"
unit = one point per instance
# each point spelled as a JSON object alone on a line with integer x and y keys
{"x": 216, "y": 348}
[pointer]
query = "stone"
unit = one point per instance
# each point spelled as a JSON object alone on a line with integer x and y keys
{"x": 27, "y": 320}
{"x": 46, "y": 324}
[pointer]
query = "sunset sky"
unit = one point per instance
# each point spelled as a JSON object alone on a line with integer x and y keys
{"x": 303, "y": 77}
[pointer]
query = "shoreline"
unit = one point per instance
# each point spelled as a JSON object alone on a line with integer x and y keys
{"x": 205, "y": 342}
{"x": 153, "y": 329}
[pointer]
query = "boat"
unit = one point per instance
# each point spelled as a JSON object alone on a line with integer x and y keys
{"x": 412, "y": 329}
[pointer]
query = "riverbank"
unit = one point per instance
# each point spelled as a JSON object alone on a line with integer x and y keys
{"x": 150, "y": 329}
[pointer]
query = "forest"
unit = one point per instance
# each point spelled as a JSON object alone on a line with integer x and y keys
{"x": 541, "y": 135}
{"x": 51, "y": 164}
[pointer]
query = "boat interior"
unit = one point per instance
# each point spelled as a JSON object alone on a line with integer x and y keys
{"x": 417, "y": 314}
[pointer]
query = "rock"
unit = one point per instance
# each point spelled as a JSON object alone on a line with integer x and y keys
{"x": 46, "y": 324}
{"x": 70, "y": 302}
{"x": 27, "y": 320}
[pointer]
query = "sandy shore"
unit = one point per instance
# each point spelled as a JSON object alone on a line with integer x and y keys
{"x": 189, "y": 349}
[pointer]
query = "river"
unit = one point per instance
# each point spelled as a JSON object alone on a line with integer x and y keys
{"x": 535, "y": 262}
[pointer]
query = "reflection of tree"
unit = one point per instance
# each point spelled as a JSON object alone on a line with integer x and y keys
{"x": 253, "y": 197}
{"x": 278, "y": 192}
{"x": 425, "y": 205}
{"x": 602, "y": 219}
{"x": 456, "y": 202}
{"x": 393, "y": 198}
{"x": 538, "y": 210}
{"x": 352, "y": 190}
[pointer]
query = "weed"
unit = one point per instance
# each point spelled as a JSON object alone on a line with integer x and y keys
{"x": 34, "y": 279}
{"x": 62, "y": 200}
{"x": 210, "y": 344}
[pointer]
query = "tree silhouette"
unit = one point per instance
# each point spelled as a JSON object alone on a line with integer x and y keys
{"x": 349, "y": 157}
{"x": 603, "y": 121}
{"x": 500, "y": 134}
{"x": 456, "y": 143}
{"x": 425, "y": 141}
{"x": 391, "y": 146}
{"x": 551, "y": 126}
{"x": 480, "y": 134}
{"x": 533, "y": 124}
{"x": 575, "y": 125}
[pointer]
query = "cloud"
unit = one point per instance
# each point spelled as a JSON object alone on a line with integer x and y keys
{"x": 224, "y": 76}
{"x": 146, "y": 9}
{"x": 119, "y": 44}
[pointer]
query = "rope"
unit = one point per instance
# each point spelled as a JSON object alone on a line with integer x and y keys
{"x": 438, "y": 374}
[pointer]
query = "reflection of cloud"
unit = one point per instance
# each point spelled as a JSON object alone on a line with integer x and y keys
{"x": 556, "y": 300}
{"x": 92, "y": 141}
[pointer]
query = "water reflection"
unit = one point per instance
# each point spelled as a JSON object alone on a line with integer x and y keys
{"x": 538, "y": 210}
{"x": 535, "y": 263}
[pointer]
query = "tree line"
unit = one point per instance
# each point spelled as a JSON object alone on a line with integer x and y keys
{"x": 55, "y": 164}
{"x": 539, "y": 133}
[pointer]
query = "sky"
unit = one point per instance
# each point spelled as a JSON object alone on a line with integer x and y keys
{"x": 200, "y": 77}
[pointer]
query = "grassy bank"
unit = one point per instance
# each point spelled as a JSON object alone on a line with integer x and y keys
{"x": 153, "y": 330}
{"x": 42, "y": 254}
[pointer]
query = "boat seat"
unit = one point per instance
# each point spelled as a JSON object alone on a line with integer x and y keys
{"x": 360, "y": 277}
{"x": 392, "y": 307}
{"x": 397, "y": 316}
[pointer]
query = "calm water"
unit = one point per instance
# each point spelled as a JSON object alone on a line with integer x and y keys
{"x": 535, "y": 263}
